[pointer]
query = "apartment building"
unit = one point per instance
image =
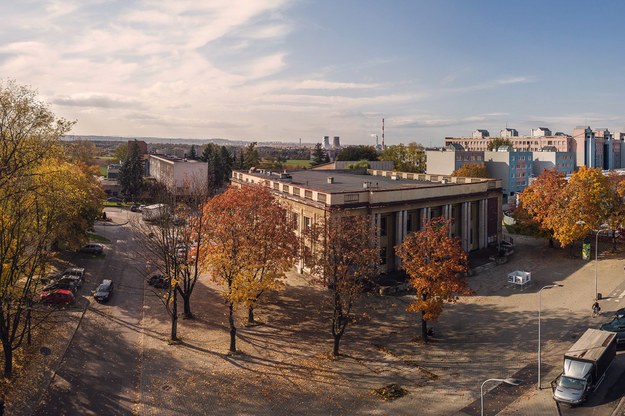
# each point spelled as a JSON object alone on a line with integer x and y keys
{"x": 179, "y": 175}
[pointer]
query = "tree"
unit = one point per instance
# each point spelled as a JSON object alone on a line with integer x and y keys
{"x": 121, "y": 153}
{"x": 435, "y": 263}
{"x": 409, "y": 158}
{"x": 471, "y": 170}
{"x": 361, "y": 164}
{"x": 318, "y": 155}
{"x": 496, "y": 143}
{"x": 357, "y": 153}
{"x": 544, "y": 198}
{"x": 250, "y": 156}
{"x": 347, "y": 261}
{"x": 192, "y": 153}
{"x": 615, "y": 206}
{"x": 219, "y": 167}
{"x": 82, "y": 151}
{"x": 247, "y": 246}
{"x": 131, "y": 172}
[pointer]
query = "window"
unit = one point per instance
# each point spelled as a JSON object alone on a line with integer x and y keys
{"x": 351, "y": 198}
{"x": 285, "y": 188}
{"x": 307, "y": 223}
{"x": 295, "y": 220}
{"x": 308, "y": 194}
{"x": 276, "y": 186}
{"x": 321, "y": 198}
{"x": 382, "y": 226}
{"x": 383, "y": 255}
{"x": 295, "y": 191}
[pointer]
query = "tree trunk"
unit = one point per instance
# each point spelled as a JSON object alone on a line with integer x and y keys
{"x": 335, "y": 349}
{"x": 233, "y": 330}
{"x": 550, "y": 242}
{"x": 186, "y": 300}
{"x": 174, "y": 318}
{"x": 424, "y": 328}
{"x": 250, "y": 315}
{"x": 8, "y": 360}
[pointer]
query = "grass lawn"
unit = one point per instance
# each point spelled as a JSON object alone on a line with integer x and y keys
{"x": 97, "y": 238}
{"x": 299, "y": 163}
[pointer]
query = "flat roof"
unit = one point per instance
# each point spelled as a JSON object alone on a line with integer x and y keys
{"x": 344, "y": 181}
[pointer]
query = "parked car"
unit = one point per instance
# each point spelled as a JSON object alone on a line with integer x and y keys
{"x": 93, "y": 248}
{"x": 104, "y": 291}
{"x": 158, "y": 281}
{"x": 114, "y": 199}
{"x": 620, "y": 313}
{"x": 616, "y": 325}
{"x": 75, "y": 273}
{"x": 136, "y": 208}
{"x": 62, "y": 283}
{"x": 57, "y": 296}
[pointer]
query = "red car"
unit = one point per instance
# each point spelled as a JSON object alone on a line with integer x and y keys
{"x": 57, "y": 296}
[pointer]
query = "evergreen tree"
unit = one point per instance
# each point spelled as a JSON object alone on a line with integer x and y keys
{"x": 226, "y": 164}
{"x": 318, "y": 155}
{"x": 131, "y": 172}
{"x": 250, "y": 157}
{"x": 192, "y": 153}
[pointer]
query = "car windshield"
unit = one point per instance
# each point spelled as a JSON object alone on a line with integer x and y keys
{"x": 572, "y": 383}
{"x": 103, "y": 288}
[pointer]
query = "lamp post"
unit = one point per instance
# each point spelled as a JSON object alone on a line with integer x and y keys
{"x": 510, "y": 381}
{"x": 597, "y": 260}
{"x": 539, "y": 312}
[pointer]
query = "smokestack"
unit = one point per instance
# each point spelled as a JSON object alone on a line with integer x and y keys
{"x": 336, "y": 143}
{"x": 382, "y": 133}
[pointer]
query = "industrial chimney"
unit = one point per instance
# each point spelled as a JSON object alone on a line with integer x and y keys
{"x": 336, "y": 143}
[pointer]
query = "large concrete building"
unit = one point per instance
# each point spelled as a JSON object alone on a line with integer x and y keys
{"x": 398, "y": 203}
{"x": 179, "y": 175}
{"x": 540, "y": 138}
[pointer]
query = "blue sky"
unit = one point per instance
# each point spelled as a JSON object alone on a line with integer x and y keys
{"x": 288, "y": 69}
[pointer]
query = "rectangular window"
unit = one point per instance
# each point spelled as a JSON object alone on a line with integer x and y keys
{"x": 295, "y": 220}
{"x": 295, "y": 191}
{"x": 308, "y": 194}
{"x": 307, "y": 223}
{"x": 285, "y": 188}
{"x": 383, "y": 255}
{"x": 321, "y": 198}
{"x": 383, "y": 226}
{"x": 351, "y": 198}
{"x": 276, "y": 186}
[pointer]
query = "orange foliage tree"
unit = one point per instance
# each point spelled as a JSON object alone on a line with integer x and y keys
{"x": 543, "y": 198}
{"x": 248, "y": 246}
{"x": 347, "y": 260}
{"x": 435, "y": 263}
{"x": 471, "y": 170}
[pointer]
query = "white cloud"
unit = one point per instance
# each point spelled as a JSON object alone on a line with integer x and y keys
{"x": 313, "y": 84}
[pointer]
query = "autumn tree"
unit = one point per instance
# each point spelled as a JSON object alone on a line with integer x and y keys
{"x": 247, "y": 247}
{"x": 615, "y": 219}
{"x": 435, "y": 264}
{"x": 410, "y": 158}
{"x": 544, "y": 199}
{"x": 471, "y": 170}
{"x": 121, "y": 153}
{"x": 347, "y": 261}
{"x": 43, "y": 198}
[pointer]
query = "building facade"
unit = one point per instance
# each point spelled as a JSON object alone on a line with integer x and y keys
{"x": 397, "y": 202}
{"x": 179, "y": 175}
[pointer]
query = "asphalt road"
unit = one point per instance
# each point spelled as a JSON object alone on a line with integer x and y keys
{"x": 101, "y": 370}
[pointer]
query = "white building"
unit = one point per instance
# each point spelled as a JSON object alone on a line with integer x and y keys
{"x": 179, "y": 175}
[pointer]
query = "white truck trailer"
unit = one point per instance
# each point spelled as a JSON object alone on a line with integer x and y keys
{"x": 155, "y": 212}
{"x": 585, "y": 365}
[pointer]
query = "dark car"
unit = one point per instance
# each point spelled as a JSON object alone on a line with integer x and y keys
{"x": 620, "y": 313}
{"x": 62, "y": 283}
{"x": 57, "y": 296}
{"x": 616, "y": 325}
{"x": 92, "y": 248}
{"x": 103, "y": 292}
{"x": 158, "y": 281}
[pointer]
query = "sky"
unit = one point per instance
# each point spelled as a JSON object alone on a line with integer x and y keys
{"x": 284, "y": 70}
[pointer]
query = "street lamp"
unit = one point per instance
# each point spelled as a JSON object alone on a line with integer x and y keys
{"x": 539, "y": 311}
{"x": 597, "y": 259}
{"x": 510, "y": 381}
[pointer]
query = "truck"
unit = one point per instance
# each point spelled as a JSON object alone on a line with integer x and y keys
{"x": 585, "y": 365}
{"x": 155, "y": 212}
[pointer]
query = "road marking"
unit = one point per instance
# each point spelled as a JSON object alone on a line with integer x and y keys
{"x": 622, "y": 295}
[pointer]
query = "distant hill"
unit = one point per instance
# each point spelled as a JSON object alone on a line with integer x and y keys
{"x": 222, "y": 142}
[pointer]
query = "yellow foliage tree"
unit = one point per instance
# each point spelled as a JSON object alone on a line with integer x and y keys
{"x": 471, "y": 170}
